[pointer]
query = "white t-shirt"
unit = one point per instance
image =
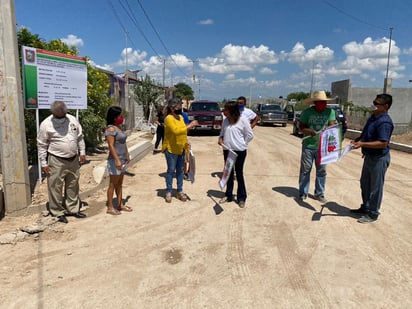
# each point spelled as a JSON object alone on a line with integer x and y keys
{"x": 248, "y": 114}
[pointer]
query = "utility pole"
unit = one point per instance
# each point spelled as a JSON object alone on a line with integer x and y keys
{"x": 14, "y": 163}
{"x": 163, "y": 83}
{"x": 312, "y": 79}
{"x": 198, "y": 80}
{"x": 250, "y": 95}
{"x": 126, "y": 75}
{"x": 164, "y": 72}
{"x": 193, "y": 71}
{"x": 388, "y": 85}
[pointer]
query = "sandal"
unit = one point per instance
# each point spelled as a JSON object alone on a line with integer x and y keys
{"x": 181, "y": 196}
{"x": 113, "y": 211}
{"x": 168, "y": 197}
{"x": 126, "y": 208}
{"x": 225, "y": 200}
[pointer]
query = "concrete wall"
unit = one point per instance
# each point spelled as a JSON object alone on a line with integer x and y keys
{"x": 401, "y": 110}
{"x": 342, "y": 89}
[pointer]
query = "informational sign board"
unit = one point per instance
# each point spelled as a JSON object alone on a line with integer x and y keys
{"x": 50, "y": 76}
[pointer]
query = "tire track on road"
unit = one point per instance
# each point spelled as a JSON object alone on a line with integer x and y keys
{"x": 300, "y": 276}
{"x": 235, "y": 256}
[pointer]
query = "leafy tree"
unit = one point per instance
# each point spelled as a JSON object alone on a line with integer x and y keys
{"x": 298, "y": 96}
{"x": 184, "y": 91}
{"x": 146, "y": 93}
{"x": 92, "y": 119}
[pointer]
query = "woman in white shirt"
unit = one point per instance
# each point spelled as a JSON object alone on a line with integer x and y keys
{"x": 235, "y": 135}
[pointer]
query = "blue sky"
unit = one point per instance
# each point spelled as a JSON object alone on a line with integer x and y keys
{"x": 261, "y": 48}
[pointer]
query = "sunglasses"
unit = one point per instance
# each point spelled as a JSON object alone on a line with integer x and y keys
{"x": 378, "y": 104}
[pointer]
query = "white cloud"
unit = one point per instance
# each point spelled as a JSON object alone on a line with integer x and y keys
{"x": 230, "y": 76}
{"x": 370, "y": 48}
{"x": 241, "y": 67}
{"x": 206, "y": 22}
{"x": 73, "y": 40}
{"x": 220, "y": 66}
{"x": 233, "y": 58}
{"x": 272, "y": 83}
{"x": 248, "y": 55}
{"x": 134, "y": 58}
{"x": 407, "y": 51}
{"x": 366, "y": 56}
{"x": 241, "y": 81}
{"x": 336, "y": 70}
{"x": 181, "y": 61}
{"x": 154, "y": 67}
{"x": 395, "y": 75}
{"x": 106, "y": 67}
{"x": 266, "y": 71}
{"x": 300, "y": 56}
{"x": 372, "y": 55}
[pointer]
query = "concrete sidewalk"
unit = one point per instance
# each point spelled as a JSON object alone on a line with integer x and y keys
{"x": 138, "y": 149}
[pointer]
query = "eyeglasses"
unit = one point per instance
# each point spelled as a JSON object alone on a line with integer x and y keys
{"x": 378, "y": 104}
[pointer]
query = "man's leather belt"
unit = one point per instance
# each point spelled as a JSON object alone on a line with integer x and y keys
{"x": 67, "y": 159}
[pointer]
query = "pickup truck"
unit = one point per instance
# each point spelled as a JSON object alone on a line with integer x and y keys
{"x": 208, "y": 115}
{"x": 271, "y": 113}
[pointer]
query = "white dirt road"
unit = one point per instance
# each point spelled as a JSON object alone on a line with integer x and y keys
{"x": 278, "y": 252}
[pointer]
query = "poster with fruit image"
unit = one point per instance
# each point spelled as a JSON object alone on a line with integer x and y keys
{"x": 330, "y": 145}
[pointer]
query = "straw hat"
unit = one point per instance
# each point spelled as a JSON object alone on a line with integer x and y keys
{"x": 318, "y": 96}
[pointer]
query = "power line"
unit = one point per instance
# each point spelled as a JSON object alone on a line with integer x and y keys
{"x": 121, "y": 24}
{"x": 135, "y": 22}
{"x": 160, "y": 39}
{"x": 353, "y": 17}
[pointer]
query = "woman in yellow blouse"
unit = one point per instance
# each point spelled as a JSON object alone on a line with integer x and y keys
{"x": 174, "y": 147}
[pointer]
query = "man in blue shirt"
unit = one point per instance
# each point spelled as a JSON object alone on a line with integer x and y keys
{"x": 185, "y": 116}
{"x": 374, "y": 141}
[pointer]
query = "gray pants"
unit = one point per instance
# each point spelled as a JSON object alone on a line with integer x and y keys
{"x": 63, "y": 173}
{"x": 372, "y": 181}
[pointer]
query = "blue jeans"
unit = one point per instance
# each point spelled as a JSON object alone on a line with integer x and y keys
{"x": 238, "y": 168}
{"x": 306, "y": 161}
{"x": 174, "y": 165}
{"x": 372, "y": 180}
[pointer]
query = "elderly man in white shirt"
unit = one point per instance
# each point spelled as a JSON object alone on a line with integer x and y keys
{"x": 61, "y": 146}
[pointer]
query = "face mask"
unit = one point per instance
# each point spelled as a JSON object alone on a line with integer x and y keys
{"x": 59, "y": 120}
{"x": 320, "y": 107}
{"x": 241, "y": 107}
{"x": 373, "y": 108}
{"x": 119, "y": 121}
{"x": 178, "y": 111}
